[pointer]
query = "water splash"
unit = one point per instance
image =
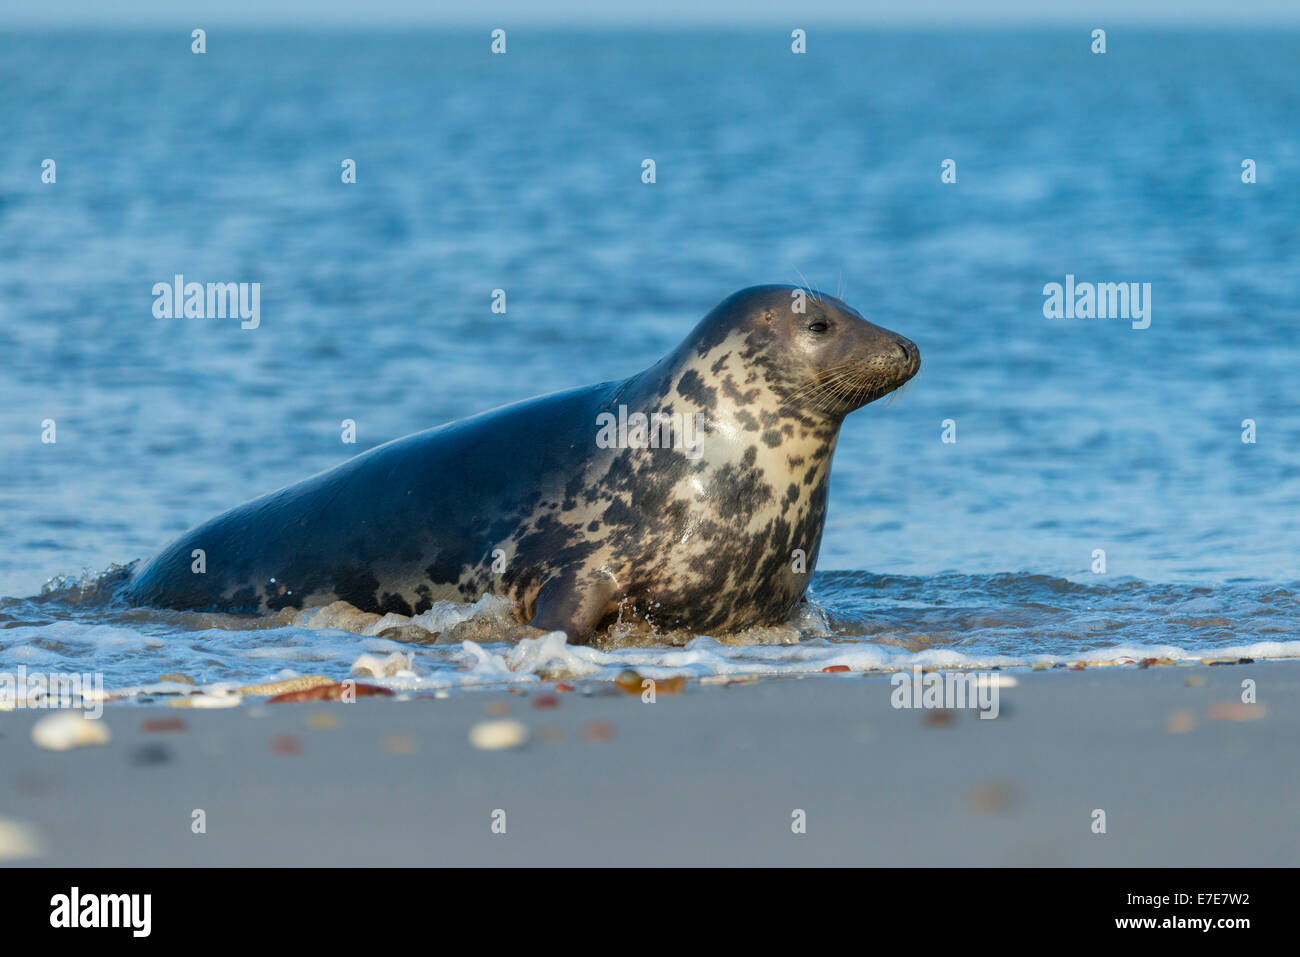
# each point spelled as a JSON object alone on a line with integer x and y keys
{"x": 855, "y": 620}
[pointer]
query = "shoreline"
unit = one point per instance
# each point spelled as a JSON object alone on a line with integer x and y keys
{"x": 1186, "y": 774}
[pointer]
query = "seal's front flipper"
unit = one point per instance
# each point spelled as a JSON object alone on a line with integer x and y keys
{"x": 575, "y": 607}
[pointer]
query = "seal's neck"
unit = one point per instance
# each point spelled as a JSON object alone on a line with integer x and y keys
{"x": 725, "y": 387}
{"x": 738, "y": 438}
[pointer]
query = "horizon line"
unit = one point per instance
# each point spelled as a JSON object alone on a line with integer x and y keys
{"x": 649, "y": 25}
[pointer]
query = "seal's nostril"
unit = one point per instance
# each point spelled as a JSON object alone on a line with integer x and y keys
{"x": 908, "y": 355}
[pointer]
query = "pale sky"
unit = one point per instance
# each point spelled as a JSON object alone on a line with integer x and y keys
{"x": 493, "y": 13}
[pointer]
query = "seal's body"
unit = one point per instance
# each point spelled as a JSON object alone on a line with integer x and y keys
{"x": 706, "y": 514}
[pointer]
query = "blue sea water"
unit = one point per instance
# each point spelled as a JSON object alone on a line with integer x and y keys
{"x": 523, "y": 172}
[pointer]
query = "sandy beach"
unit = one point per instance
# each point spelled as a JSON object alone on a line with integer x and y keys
{"x": 716, "y": 775}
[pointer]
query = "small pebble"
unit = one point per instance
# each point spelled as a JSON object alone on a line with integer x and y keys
{"x": 496, "y": 709}
{"x": 497, "y": 735}
{"x": 544, "y": 702}
{"x": 289, "y": 684}
{"x": 562, "y": 686}
{"x": 65, "y": 731}
{"x": 990, "y": 797}
{"x": 597, "y": 731}
{"x": 938, "y": 718}
{"x": 177, "y": 679}
{"x": 674, "y": 685}
{"x": 322, "y": 721}
{"x": 148, "y": 755}
{"x": 161, "y": 725}
{"x": 835, "y": 668}
{"x": 1195, "y": 681}
{"x": 1180, "y": 722}
{"x": 208, "y": 701}
{"x": 340, "y": 691}
{"x": 1236, "y": 711}
{"x": 399, "y": 744}
{"x": 286, "y": 745}
{"x": 628, "y": 681}
{"x": 18, "y": 841}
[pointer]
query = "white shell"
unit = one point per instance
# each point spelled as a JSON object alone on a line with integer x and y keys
{"x": 68, "y": 730}
{"x": 498, "y": 735}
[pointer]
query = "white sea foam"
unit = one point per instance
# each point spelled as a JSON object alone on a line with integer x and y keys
{"x": 456, "y": 645}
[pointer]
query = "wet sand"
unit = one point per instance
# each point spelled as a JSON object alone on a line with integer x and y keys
{"x": 1186, "y": 775}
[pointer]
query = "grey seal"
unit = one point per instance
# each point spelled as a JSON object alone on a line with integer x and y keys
{"x": 691, "y": 495}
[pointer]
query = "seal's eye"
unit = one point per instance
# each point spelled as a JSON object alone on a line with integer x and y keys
{"x": 818, "y": 326}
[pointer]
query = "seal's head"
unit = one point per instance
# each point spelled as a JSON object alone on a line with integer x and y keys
{"x": 813, "y": 352}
